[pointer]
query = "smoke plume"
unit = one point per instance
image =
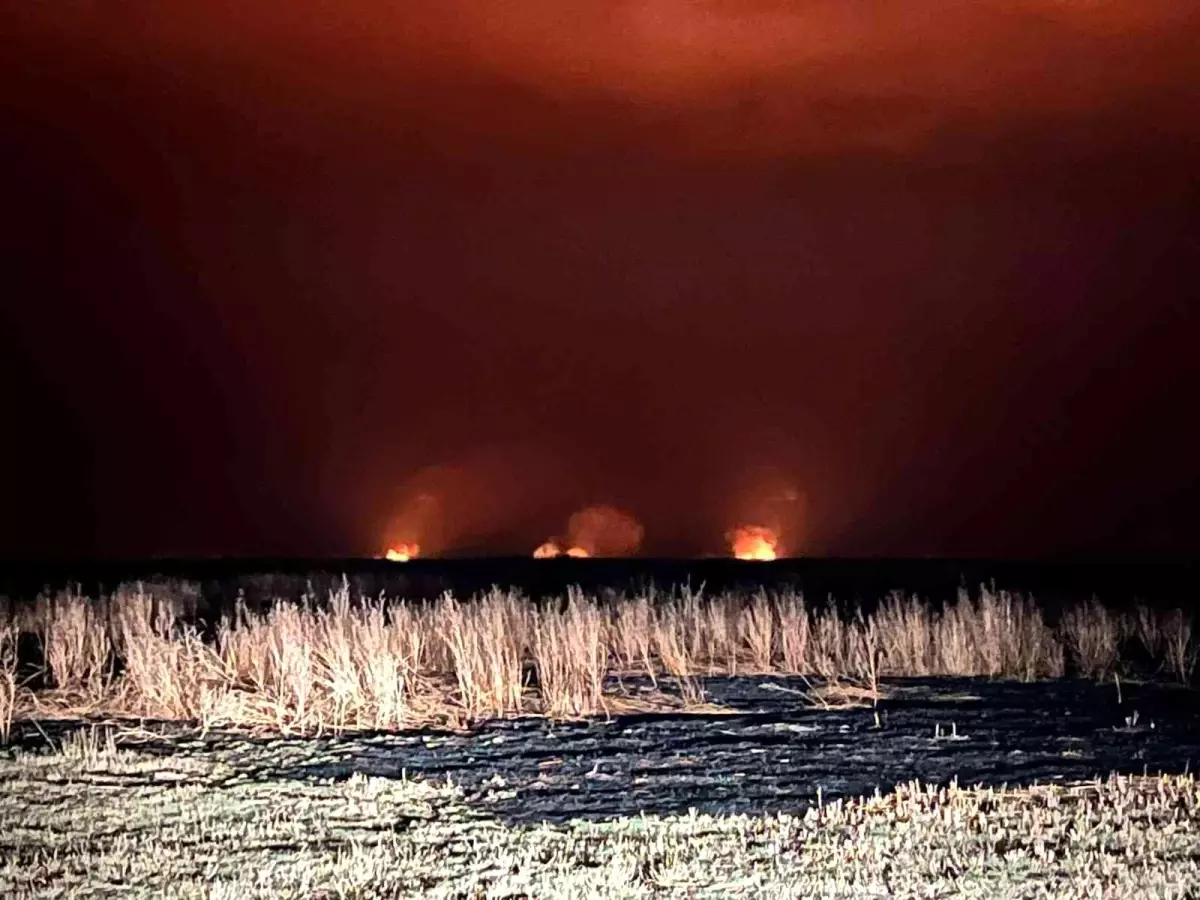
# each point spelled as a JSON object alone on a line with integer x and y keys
{"x": 604, "y": 531}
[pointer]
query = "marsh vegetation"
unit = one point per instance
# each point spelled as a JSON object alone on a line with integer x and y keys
{"x": 339, "y": 662}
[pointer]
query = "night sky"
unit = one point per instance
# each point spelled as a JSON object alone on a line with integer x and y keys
{"x": 915, "y": 278}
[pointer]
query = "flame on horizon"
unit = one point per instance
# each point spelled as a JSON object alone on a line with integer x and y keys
{"x": 548, "y": 550}
{"x": 754, "y": 542}
{"x": 551, "y": 549}
{"x": 402, "y": 552}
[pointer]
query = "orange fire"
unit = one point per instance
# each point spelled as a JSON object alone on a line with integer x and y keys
{"x": 402, "y": 552}
{"x": 551, "y": 549}
{"x": 754, "y": 542}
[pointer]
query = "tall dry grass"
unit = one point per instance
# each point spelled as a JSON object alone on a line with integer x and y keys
{"x": 486, "y": 640}
{"x": 354, "y": 663}
{"x": 632, "y": 635}
{"x": 1167, "y": 636}
{"x": 168, "y": 670}
{"x": 1092, "y": 636}
{"x": 794, "y": 632}
{"x": 77, "y": 642}
{"x": 571, "y": 653}
{"x": 1182, "y": 651}
{"x": 756, "y": 632}
{"x": 8, "y": 675}
{"x": 997, "y": 634}
{"x": 302, "y": 668}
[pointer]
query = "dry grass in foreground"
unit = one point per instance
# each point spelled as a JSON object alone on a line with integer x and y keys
{"x": 390, "y": 664}
{"x": 99, "y": 820}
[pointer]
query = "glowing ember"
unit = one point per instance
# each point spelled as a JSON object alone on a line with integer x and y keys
{"x": 754, "y": 542}
{"x": 402, "y": 552}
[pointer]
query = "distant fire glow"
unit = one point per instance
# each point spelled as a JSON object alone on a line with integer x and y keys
{"x": 551, "y": 549}
{"x": 754, "y": 542}
{"x": 403, "y": 552}
{"x": 596, "y": 531}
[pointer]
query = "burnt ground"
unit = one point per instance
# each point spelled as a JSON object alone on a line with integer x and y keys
{"x": 771, "y": 753}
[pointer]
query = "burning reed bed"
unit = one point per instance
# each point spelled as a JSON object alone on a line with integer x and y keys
{"x": 346, "y": 663}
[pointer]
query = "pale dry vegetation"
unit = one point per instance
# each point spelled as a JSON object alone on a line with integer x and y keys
{"x": 8, "y": 677}
{"x": 377, "y": 663}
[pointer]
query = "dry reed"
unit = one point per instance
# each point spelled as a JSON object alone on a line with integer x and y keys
{"x": 1167, "y": 636}
{"x": 1092, "y": 635}
{"x": 354, "y": 663}
{"x": 8, "y": 676}
{"x": 571, "y": 650}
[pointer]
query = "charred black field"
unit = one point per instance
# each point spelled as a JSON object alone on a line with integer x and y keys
{"x": 768, "y": 751}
